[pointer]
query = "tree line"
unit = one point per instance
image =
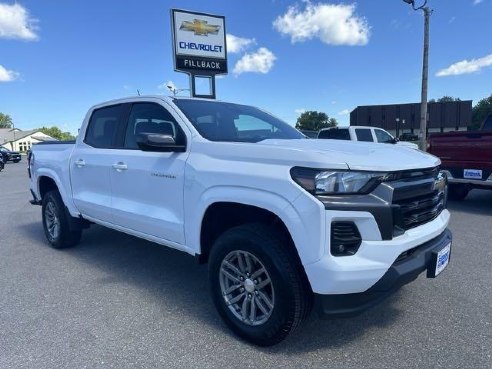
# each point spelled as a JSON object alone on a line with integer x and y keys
{"x": 53, "y": 131}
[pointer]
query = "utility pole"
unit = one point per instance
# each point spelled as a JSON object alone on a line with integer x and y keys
{"x": 425, "y": 73}
{"x": 425, "y": 79}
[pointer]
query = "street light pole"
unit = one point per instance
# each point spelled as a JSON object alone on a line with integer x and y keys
{"x": 175, "y": 90}
{"x": 425, "y": 72}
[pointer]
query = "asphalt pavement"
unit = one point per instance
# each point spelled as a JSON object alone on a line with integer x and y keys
{"x": 116, "y": 301}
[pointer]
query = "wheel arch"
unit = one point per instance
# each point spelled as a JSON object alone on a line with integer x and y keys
{"x": 245, "y": 205}
{"x": 48, "y": 180}
{"x": 223, "y": 215}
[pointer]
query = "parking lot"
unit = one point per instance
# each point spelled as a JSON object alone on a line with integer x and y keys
{"x": 119, "y": 302}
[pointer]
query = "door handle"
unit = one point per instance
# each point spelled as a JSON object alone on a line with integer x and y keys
{"x": 80, "y": 163}
{"x": 120, "y": 166}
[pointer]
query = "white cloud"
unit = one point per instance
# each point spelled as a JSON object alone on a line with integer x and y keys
{"x": 260, "y": 61}
{"x": 237, "y": 44}
{"x": 300, "y": 111}
{"x": 333, "y": 24}
{"x": 15, "y": 22}
{"x": 7, "y": 75}
{"x": 344, "y": 112}
{"x": 466, "y": 67}
{"x": 476, "y": 2}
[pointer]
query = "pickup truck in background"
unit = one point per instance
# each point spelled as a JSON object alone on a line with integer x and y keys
{"x": 364, "y": 134}
{"x": 466, "y": 158}
{"x": 285, "y": 223}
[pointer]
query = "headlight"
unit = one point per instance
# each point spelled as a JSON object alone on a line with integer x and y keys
{"x": 336, "y": 182}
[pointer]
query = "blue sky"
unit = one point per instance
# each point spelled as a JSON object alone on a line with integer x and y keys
{"x": 57, "y": 58}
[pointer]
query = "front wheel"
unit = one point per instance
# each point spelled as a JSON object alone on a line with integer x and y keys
{"x": 257, "y": 284}
{"x": 56, "y": 223}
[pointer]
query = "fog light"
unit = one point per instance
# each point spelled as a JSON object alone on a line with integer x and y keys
{"x": 345, "y": 239}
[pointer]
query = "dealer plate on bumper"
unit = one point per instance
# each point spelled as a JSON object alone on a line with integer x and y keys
{"x": 472, "y": 174}
{"x": 439, "y": 261}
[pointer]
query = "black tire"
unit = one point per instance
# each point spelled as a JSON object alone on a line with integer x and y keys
{"x": 64, "y": 237}
{"x": 457, "y": 192}
{"x": 16, "y": 161}
{"x": 1, "y": 166}
{"x": 292, "y": 299}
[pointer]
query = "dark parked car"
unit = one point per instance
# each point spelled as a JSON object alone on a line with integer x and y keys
{"x": 407, "y": 136}
{"x": 9, "y": 155}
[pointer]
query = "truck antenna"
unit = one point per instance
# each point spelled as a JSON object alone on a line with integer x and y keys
{"x": 138, "y": 92}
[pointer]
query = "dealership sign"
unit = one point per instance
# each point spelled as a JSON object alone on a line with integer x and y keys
{"x": 199, "y": 43}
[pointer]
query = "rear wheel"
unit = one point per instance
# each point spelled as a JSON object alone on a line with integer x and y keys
{"x": 16, "y": 161}
{"x": 457, "y": 192}
{"x": 257, "y": 284}
{"x": 56, "y": 222}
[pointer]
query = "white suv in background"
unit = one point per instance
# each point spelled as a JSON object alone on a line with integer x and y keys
{"x": 362, "y": 133}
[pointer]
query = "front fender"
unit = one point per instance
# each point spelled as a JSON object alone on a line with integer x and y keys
{"x": 304, "y": 224}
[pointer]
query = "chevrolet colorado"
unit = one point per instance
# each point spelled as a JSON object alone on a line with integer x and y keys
{"x": 285, "y": 223}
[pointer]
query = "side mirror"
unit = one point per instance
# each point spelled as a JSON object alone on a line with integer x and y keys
{"x": 158, "y": 142}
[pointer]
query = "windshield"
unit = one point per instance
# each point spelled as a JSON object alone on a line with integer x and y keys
{"x": 220, "y": 121}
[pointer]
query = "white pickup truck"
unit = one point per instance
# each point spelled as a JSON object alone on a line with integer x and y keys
{"x": 364, "y": 134}
{"x": 285, "y": 223}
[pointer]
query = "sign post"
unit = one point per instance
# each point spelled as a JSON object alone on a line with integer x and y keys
{"x": 199, "y": 47}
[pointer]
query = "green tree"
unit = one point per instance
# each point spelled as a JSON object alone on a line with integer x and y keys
{"x": 480, "y": 111}
{"x": 57, "y": 133}
{"x": 5, "y": 121}
{"x": 445, "y": 99}
{"x": 314, "y": 121}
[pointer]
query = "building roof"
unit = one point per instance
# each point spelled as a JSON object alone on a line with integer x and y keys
{"x": 10, "y": 134}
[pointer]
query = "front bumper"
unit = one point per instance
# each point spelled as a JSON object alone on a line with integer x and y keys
{"x": 401, "y": 272}
{"x": 485, "y": 183}
{"x": 357, "y": 273}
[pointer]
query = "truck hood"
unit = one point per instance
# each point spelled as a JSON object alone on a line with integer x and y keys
{"x": 357, "y": 155}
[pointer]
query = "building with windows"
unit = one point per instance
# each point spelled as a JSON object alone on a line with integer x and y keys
{"x": 17, "y": 140}
{"x": 402, "y": 118}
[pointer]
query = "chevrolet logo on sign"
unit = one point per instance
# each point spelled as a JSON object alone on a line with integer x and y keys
{"x": 199, "y": 43}
{"x": 199, "y": 27}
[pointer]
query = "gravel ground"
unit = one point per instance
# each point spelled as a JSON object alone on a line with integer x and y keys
{"x": 116, "y": 301}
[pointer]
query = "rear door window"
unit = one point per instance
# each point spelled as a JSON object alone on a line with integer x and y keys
{"x": 103, "y": 126}
{"x": 335, "y": 134}
{"x": 364, "y": 134}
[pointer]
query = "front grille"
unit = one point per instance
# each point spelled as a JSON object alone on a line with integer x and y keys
{"x": 420, "y": 210}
